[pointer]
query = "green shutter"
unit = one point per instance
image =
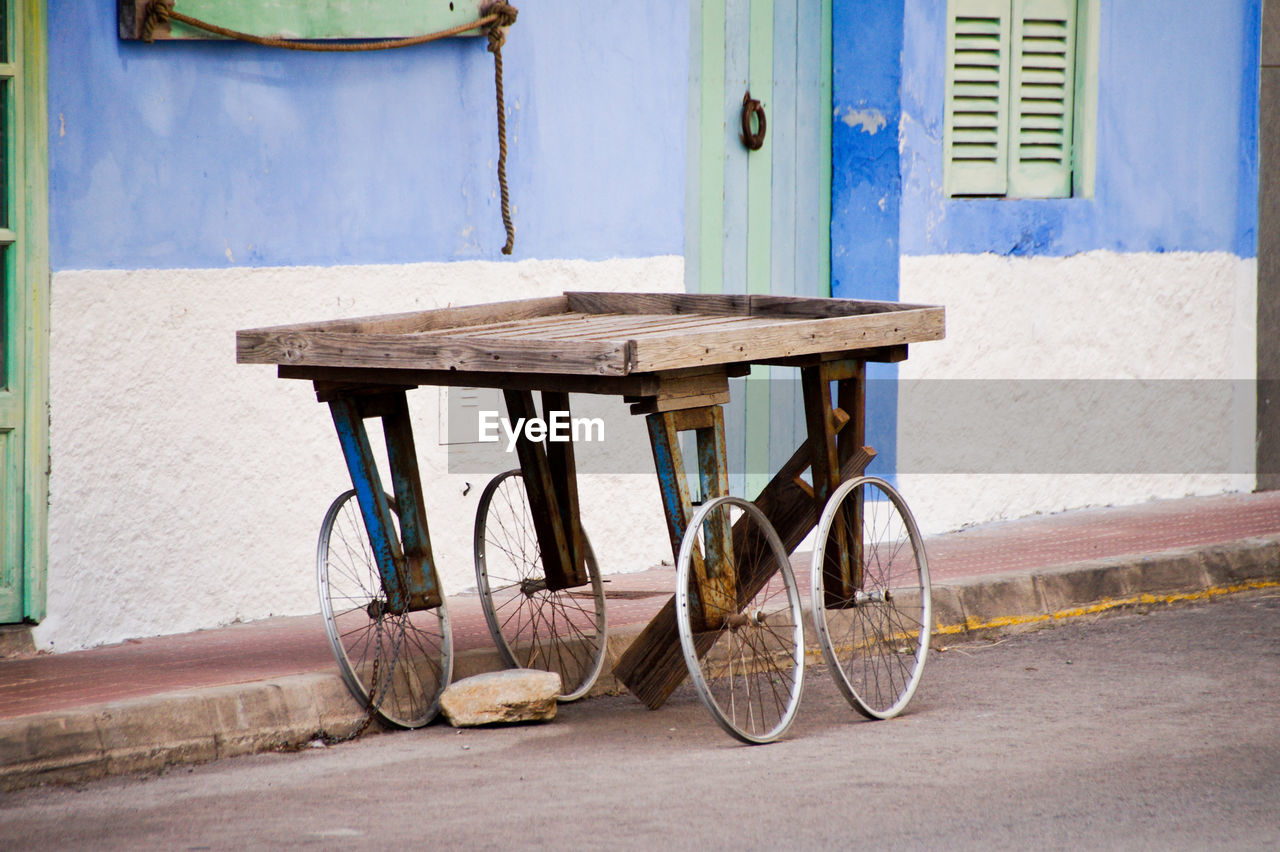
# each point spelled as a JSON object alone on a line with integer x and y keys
{"x": 975, "y": 137}
{"x": 1043, "y": 89}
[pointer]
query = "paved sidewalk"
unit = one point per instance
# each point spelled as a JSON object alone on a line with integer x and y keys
{"x": 989, "y": 576}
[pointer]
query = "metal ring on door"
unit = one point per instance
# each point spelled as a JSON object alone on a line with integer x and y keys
{"x": 750, "y": 107}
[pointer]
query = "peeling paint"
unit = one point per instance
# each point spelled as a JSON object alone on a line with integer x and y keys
{"x": 871, "y": 121}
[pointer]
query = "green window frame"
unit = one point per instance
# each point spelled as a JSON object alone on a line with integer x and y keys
{"x": 1020, "y": 98}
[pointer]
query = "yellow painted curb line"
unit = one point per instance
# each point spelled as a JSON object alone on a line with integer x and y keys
{"x": 971, "y": 623}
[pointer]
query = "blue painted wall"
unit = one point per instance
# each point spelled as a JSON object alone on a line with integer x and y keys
{"x": 1177, "y": 140}
{"x": 866, "y": 188}
{"x": 867, "y": 40}
{"x": 209, "y": 154}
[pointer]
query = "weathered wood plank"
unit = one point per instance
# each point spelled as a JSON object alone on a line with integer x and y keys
{"x": 412, "y": 322}
{"x": 880, "y": 355}
{"x": 689, "y": 419}
{"x": 411, "y": 351}
{"x": 544, "y": 335}
{"x": 694, "y": 384}
{"x": 529, "y": 327}
{"x": 658, "y": 303}
{"x": 743, "y": 326}
{"x": 809, "y": 307}
{"x": 352, "y": 378}
{"x": 616, "y": 325}
{"x": 653, "y": 405}
{"x": 798, "y": 337}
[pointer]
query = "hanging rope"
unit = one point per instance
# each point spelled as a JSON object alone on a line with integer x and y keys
{"x": 498, "y": 37}
{"x": 497, "y": 17}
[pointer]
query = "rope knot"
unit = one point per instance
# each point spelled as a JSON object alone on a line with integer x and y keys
{"x": 506, "y": 17}
{"x": 157, "y": 13}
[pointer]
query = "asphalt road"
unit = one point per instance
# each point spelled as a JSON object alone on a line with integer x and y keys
{"x": 1126, "y": 731}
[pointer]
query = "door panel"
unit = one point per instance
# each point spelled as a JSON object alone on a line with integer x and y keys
{"x": 758, "y": 221}
{"x": 12, "y": 344}
{"x": 23, "y": 309}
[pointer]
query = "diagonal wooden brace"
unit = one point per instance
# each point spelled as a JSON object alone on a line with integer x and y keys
{"x": 653, "y": 666}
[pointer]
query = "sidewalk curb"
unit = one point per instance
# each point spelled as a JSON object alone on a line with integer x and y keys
{"x": 195, "y": 726}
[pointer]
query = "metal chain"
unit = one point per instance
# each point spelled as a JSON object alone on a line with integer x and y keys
{"x": 372, "y": 709}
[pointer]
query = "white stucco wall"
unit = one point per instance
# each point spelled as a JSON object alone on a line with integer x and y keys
{"x": 186, "y": 491}
{"x": 1093, "y": 316}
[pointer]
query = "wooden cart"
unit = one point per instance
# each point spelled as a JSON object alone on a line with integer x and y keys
{"x": 734, "y": 623}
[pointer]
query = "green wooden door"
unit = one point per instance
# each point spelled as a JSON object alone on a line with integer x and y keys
{"x": 23, "y": 228}
{"x": 759, "y": 221}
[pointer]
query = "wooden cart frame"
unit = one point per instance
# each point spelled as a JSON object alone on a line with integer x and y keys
{"x": 671, "y": 357}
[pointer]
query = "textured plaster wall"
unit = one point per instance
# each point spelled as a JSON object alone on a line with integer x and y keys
{"x": 187, "y": 491}
{"x": 1185, "y": 318}
{"x": 212, "y": 154}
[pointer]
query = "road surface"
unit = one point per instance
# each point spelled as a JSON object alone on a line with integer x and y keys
{"x": 1122, "y": 731}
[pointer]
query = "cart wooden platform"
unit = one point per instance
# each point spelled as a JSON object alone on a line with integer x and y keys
{"x": 671, "y": 357}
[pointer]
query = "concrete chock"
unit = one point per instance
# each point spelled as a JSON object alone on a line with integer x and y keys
{"x": 514, "y": 695}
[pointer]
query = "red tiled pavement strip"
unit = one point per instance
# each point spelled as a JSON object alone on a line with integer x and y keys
{"x": 285, "y": 646}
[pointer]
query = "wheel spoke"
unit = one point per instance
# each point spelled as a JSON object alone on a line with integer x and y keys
{"x": 533, "y": 626}
{"x": 391, "y": 646}
{"x": 876, "y": 648}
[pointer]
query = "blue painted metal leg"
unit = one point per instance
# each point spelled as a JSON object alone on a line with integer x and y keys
{"x": 404, "y": 561}
{"x": 372, "y": 499}
{"x": 421, "y": 587}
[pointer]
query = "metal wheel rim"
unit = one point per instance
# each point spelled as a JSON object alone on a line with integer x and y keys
{"x": 795, "y": 642}
{"x": 564, "y": 602}
{"x": 392, "y": 636}
{"x": 892, "y": 622}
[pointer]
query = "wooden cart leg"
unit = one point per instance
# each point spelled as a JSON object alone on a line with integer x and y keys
{"x": 716, "y": 580}
{"x": 564, "y": 485}
{"x": 404, "y": 561}
{"x": 551, "y": 484}
{"x": 842, "y": 568}
{"x": 851, "y": 395}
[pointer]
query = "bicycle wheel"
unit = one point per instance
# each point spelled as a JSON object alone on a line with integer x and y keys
{"x": 560, "y": 631}
{"x": 749, "y": 667}
{"x": 876, "y": 639}
{"x": 395, "y": 664}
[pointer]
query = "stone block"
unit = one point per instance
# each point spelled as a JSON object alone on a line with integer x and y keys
{"x": 1084, "y": 583}
{"x": 514, "y": 695}
{"x": 50, "y": 747}
{"x": 152, "y": 732}
{"x": 1172, "y": 572}
{"x": 1245, "y": 561}
{"x": 948, "y": 614}
{"x": 1001, "y": 602}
